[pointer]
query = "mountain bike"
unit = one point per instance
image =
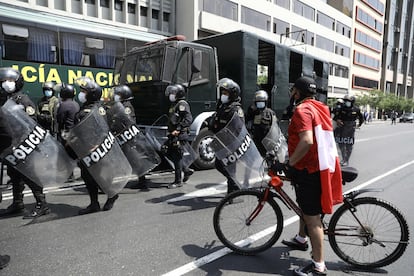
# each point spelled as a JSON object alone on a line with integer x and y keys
{"x": 366, "y": 232}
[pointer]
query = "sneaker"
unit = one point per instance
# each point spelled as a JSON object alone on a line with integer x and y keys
{"x": 174, "y": 185}
{"x": 187, "y": 174}
{"x": 39, "y": 210}
{"x": 110, "y": 203}
{"x": 92, "y": 208}
{"x": 310, "y": 269}
{"x": 13, "y": 209}
{"x": 4, "y": 261}
{"x": 295, "y": 244}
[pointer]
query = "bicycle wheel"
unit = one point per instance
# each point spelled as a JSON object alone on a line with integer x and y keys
{"x": 371, "y": 234}
{"x": 233, "y": 230}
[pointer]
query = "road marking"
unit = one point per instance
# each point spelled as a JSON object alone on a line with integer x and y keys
{"x": 383, "y": 136}
{"x": 222, "y": 252}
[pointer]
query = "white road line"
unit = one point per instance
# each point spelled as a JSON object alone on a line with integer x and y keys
{"x": 222, "y": 252}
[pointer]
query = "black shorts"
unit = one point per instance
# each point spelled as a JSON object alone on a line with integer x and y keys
{"x": 308, "y": 192}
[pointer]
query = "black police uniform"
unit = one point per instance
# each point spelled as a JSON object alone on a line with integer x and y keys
{"x": 259, "y": 122}
{"x": 66, "y": 115}
{"x": 18, "y": 179}
{"x": 129, "y": 110}
{"x": 46, "y": 113}
{"x": 223, "y": 115}
{"x": 344, "y": 135}
{"x": 180, "y": 119}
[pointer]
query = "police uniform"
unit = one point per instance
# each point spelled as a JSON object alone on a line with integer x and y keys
{"x": 259, "y": 122}
{"x": 221, "y": 118}
{"x": 18, "y": 179}
{"x": 66, "y": 115}
{"x": 179, "y": 119}
{"x": 46, "y": 113}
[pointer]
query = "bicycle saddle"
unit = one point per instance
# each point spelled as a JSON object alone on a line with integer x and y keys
{"x": 349, "y": 174}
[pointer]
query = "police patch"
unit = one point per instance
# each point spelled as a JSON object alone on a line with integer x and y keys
{"x": 181, "y": 107}
{"x": 30, "y": 110}
{"x": 102, "y": 111}
{"x": 240, "y": 112}
{"x": 128, "y": 110}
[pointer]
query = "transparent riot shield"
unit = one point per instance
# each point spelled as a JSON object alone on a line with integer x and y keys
{"x": 138, "y": 150}
{"x": 98, "y": 151}
{"x": 235, "y": 148}
{"x": 275, "y": 143}
{"x": 34, "y": 152}
{"x": 345, "y": 134}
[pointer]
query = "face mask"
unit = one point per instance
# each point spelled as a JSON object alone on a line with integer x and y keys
{"x": 9, "y": 86}
{"x": 224, "y": 99}
{"x": 172, "y": 98}
{"x": 48, "y": 93}
{"x": 348, "y": 104}
{"x": 260, "y": 105}
{"x": 117, "y": 98}
{"x": 82, "y": 97}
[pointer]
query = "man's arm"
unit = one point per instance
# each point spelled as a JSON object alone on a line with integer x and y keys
{"x": 305, "y": 142}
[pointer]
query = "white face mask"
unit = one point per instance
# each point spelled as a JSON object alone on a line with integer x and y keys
{"x": 348, "y": 104}
{"x": 224, "y": 99}
{"x": 117, "y": 98}
{"x": 48, "y": 93}
{"x": 82, "y": 97}
{"x": 260, "y": 105}
{"x": 9, "y": 86}
{"x": 172, "y": 98}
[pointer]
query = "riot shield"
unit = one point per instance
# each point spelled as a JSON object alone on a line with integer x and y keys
{"x": 345, "y": 134}
{"x": 275, "y": 142}
{"x": 235, "y": 148}
{"x": 34, "y": 152}
{"x": 98, "y": 151}
{"x": 140, "y": 153}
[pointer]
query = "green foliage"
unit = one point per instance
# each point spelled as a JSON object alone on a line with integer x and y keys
{"x": 385, "y": 101}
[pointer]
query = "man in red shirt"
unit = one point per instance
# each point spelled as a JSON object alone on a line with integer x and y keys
{"x": 314, "y": 169}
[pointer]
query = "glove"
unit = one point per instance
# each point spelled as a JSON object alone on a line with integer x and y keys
{"x": 283, "y": 168}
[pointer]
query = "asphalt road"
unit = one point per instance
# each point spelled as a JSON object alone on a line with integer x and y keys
{"x": 170, "y": 232}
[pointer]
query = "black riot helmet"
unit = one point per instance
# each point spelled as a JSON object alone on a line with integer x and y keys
{"x": 261, "y": 96}
{"x": 349, "y": 100}
{"x": 91, "y": 88}
{"x": 124, "y": 92}
{"x": 175, "y": 89}
{"x": 66, "y": 91}
{"x": 9, "y": 75}
{"x": 231, "y": 86}
{"x": 48, "y": 86}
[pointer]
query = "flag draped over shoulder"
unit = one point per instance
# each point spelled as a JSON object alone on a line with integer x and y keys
{"x": 330, "y": 170}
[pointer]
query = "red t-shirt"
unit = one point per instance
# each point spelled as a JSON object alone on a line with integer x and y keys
{"x": 303, "y": 119}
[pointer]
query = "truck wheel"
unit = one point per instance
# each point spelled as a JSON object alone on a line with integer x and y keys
{"x": 201, "y": 145}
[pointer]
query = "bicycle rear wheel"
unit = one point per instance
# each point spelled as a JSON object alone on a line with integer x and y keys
{"x": 233, "y": 230}
{"x": 378, "y": 239}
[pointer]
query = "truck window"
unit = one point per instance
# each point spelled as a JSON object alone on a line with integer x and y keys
{"x": 184, "y": 69}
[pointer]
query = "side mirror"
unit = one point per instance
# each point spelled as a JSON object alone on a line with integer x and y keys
{"x": 196, "y": 61}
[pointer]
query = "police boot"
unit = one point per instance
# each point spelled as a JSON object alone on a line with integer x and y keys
{"x": 41, "y": 209}
{"x": 187, "y": 174}
{"x": 16, "y": 208}
{"x": 110, "y": 203}
{"x": 92, "y": 208}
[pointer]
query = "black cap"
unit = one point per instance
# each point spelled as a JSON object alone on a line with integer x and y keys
{"x": 306, "y": 85}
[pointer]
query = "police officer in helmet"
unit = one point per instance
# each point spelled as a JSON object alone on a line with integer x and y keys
{"x": 12, "y": 82}
{"x": 123, "y": 94}
{"x": 228, "y": 105}
{"x": 47, "y": 107}
{"x": 90, "y": 96}
{"x": 179, "y": 122}
{"x": 259, "y": 119}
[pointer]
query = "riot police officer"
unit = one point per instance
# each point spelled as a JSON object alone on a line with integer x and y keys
{"x": 179, "y": 122}
{"x": 90, "y": 96}
{"x": 47, "y": 107}
{"x": 345, "y": 118}
{"x": 123, "y": 94}
{"x": 67, "y": 110}
{"x": 259, "y": 119}
{"x": 227, "y": 106}
{"x": 12, "y": 83}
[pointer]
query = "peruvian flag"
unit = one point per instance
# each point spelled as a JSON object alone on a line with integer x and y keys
{"x": 330, "y": 170}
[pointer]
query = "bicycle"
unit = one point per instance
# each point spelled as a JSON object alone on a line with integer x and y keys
{"x": 366, "y": 232}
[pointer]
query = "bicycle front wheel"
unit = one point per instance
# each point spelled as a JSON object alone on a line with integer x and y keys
{"x": 237, "y": 230}
{"x": 370, "y": 234}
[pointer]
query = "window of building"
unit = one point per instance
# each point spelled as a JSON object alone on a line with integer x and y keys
{"x": 303, "y": 10}
{"x": 131, "y": 8}
{"x": 360, "y": 82}
{"x": 302, "y": 35}
{"x": 377, "y": 5}
{"x": 255, "y": 19}
{"x": 324, "y": 43}
{"x": 143, "y": 11}
{"x": 325, "y": 20}
{"x": 92, "y": 2}
{"x": 118, "y": 5}
{"x": 338, "y": 70}
{"x": 166, "y": 16}
{"x": 343, "y": 29}
{"x": 224, "y": 8}
{"x": 368, "y": 41}
{"x": 280, "y": 26}
{"x": 366, "y": 61}
{"x": 283, "y": 3}
{"x": 366, "y": 19}
{"x": 104, "y": 3}
{"x": 342, "y": 50}
{"x": 155, "y": 14}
